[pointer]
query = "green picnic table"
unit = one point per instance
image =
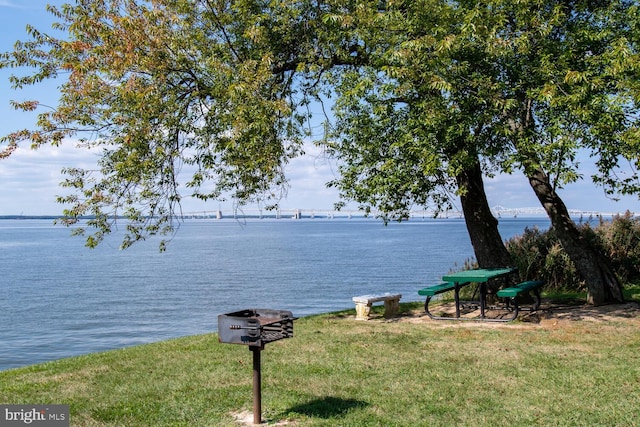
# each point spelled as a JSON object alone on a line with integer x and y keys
{"x": 455, "y": 281}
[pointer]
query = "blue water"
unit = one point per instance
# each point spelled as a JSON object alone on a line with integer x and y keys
{"x": 61, "y": 299}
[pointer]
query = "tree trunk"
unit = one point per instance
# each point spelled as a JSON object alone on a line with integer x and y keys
{"x": 482, "y": 226}
{"x": 602, "y": 284}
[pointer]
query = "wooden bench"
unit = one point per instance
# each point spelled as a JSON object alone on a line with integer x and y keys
{"x": 513, "y": 292}
{"x": 431, "y": 291}
{"x": 364, "y": 302}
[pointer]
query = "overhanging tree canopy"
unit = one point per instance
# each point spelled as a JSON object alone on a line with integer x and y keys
{"x": 161, "y": 86}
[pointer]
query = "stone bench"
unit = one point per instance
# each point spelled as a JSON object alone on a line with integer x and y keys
{"x": 364, "y": 302}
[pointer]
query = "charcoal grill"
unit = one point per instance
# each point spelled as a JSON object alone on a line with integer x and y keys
{"x": 255, "y": 327}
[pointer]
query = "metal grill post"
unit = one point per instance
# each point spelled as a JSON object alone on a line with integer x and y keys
{"x": 257, "y": 385}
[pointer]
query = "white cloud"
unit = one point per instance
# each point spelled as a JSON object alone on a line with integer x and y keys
{"x": 30, "y": 182}
{"x": 510, "y": 191}
{"x": 514, "y": 191}
{"x": 308, "y": 175}
{"x": 30, "y": 178}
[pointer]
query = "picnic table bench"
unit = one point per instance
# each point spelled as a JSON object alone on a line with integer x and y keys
{"x": 513, "y": 292}
{"x": 430, "y": 291}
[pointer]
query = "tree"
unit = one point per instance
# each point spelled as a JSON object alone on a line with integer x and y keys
{"x": 161, "y": 86}
{"x": 400, "y": 139}
{"x": 515, "y": 85}
{"x": 563, "y": 73}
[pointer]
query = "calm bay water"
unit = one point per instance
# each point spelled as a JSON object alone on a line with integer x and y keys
{"x": 61, "y": 299}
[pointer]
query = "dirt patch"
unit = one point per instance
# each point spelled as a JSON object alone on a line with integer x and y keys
{"x": 245, "y": 418}
{"x": 630, "y": 310}
{"x": 549, "y": 313}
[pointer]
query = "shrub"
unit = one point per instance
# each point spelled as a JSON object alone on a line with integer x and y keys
{"x": 621, "y": 243}
{"x": 539, "y": 254}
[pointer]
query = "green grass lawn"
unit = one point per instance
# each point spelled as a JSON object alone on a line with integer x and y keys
{"x": 337, "y": 371}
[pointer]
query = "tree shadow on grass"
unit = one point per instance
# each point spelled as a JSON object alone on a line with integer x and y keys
{"x": 328, "y": 407}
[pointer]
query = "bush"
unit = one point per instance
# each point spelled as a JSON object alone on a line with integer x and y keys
{"x": 539, "y": 254}
{"x": 621, "y": 243}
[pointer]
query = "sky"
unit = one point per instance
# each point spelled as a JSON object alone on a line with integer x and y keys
{"x": 30, "y": 178}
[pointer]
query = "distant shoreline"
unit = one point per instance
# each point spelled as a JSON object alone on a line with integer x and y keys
{"x": 575, "y": 215}
{"x": 268, "y": 216}
{"x": 30, "y": 217}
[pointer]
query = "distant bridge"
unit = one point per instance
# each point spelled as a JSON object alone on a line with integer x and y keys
{"x": 498, "y": 212}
